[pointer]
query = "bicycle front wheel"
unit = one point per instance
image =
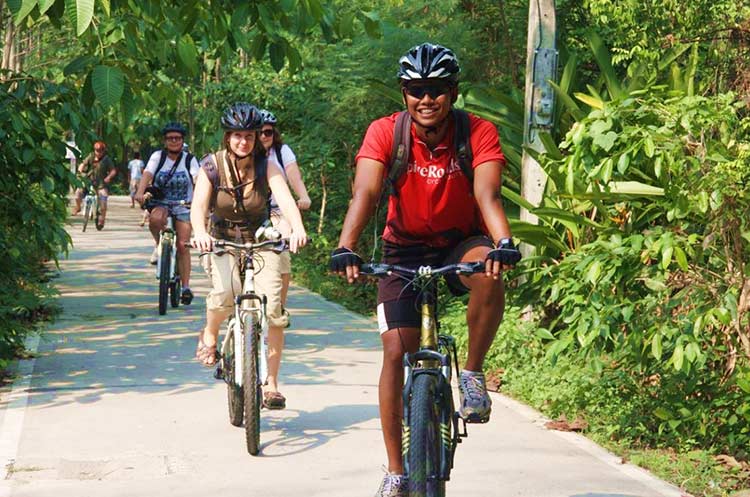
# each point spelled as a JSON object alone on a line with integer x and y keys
{"x": 86, "y": 215}
{"x": 235, "y": 393}
{"x": 164, "y": 282}
{"x": 97, "y": 213}
{"x": 421, "y": 439}
{"x": 251, "y": 385}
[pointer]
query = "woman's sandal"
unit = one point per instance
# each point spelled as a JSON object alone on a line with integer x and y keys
{"x": 274, "y": 400}
{"x": 206, "y": 354}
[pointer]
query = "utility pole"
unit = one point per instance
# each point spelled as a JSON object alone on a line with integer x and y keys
{"x": 541, "y": 66}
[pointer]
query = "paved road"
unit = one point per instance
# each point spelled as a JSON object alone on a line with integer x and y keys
{"x": 114, "y": 405}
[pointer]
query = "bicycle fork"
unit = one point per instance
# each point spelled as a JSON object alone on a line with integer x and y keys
{"x": 449, "y": 434}
{"x": 241, "y": 312}
{"x": 167, "y": 237}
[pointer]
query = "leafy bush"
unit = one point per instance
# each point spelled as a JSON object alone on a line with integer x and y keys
{"x": 657, "y": 284}
{"x": 33, "y": 205}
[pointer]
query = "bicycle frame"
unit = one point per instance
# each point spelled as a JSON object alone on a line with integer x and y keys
{"x": 436, "y": 356}
{"x": 245, "y": 305}
{"x": 168, "y": 236}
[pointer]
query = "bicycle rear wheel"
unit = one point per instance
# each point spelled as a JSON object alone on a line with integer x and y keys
{"x": 86, "y": 214}
{"x": 422, "y": 439}
{"x": 251, "y": 385}
{"x": 164, "y": 262}
{"x": 235, "y": 393}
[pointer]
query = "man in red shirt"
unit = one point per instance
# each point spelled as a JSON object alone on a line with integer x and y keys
{"x": 436, "y": 216}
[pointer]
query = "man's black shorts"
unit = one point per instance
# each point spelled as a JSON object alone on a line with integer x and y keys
{"x": 397, "y": 303}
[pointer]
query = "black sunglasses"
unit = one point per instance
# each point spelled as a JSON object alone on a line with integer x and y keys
{"x": 433, "y": 90}
{"x": 267, "y": 133}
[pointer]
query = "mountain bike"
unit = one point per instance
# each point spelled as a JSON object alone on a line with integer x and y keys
{"x": 430, "y": 431}
{"x": 243, "y": 359}
{"x": 91, "y": 209}
{"x": 167, "y": 265}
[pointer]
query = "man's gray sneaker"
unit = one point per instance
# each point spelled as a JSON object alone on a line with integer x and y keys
{"x": 476, "y": 404}
{"x": 392, "y": 486}
{"x": 154, "y": 256}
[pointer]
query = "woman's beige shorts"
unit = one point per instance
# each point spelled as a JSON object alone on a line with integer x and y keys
{"x": 225, "y": 280}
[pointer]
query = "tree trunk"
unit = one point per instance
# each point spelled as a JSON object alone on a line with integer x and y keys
{"x": 9, "y": 44}
{"x": 217, "y": 70}
{"x": 509, "y": 47}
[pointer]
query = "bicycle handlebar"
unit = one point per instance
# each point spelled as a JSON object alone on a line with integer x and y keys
{"x": 378, "y": 270}
{"x": 282, "y": 243}
{"x": 147, "y": 197}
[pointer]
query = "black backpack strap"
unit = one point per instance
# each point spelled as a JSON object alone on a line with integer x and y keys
{"x": 399, "y": 152}
{"x": 277, "y": 149}
{"x": 188, "y": 160}
{"x": 462, "y": 142}
{"x": 162, "y": 160}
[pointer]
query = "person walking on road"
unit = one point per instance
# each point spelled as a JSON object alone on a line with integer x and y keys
{"x": 233, "y": 188}
{"x": 135, "y": 171}
{"x": 436, "y": 215}
{"x": 281, "y": 154}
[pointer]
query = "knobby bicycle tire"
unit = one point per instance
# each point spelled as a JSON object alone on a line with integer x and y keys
{"x": 422, "y": 440}
{"x": 175, "y": 287}
{"x": 235, "y": 393}
{"x": 86, "y": 215}
{"x": 164, "y": 277}
{"x": 251, "y": 384}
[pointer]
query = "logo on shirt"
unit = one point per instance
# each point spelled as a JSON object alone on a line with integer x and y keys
{"x": 434, "y": 173}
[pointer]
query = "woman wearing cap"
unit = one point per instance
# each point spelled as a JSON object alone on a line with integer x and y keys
{"x": 233, "y": 187}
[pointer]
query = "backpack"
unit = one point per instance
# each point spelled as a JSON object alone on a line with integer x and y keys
{"x": 402, "y": 146}
{"x": 277, "y": 149}
{"x": 163, "y": 159}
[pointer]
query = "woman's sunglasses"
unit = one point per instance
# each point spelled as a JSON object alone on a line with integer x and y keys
{"x": 268, "y": 133}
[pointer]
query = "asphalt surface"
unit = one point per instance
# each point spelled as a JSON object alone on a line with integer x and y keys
{"x": 113, "y": 404}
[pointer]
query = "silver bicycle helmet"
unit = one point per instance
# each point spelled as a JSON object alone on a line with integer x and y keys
{"x": 268, "y": 117}
{"x": 428, "y": 61}
{"x": 241, "y": 116}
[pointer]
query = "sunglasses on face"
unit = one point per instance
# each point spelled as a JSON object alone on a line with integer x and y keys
{"x": 98, "y": 150}
{"x": 173, "y": 139}
{"x": 433, "y": 90}
{"x": 268, "y": 133}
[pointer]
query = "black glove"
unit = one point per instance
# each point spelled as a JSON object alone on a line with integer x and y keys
{"x": 343, "y": 257}
{"x": 505, "y": 253}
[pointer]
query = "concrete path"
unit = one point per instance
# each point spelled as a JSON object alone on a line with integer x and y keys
{"x": 114, "y": 404}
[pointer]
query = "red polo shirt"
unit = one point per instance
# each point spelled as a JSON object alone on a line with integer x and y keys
{"x": 435, "y": 204}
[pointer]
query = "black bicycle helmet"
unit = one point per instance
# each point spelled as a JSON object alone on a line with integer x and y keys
{"x": 268, "y": 117}
{"x": 428, "y": 61}
{"x": 173, "y": 127}
{"x": 241, "y": 116}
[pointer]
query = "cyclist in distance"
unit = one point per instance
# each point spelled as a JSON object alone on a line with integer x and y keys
{"x": 99, "y": 170}
{"x": 436, "y": 215}
{"x": 234, "y": 186}
{"x": 169, "y": 177}
{"x": 282, "y": 155}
